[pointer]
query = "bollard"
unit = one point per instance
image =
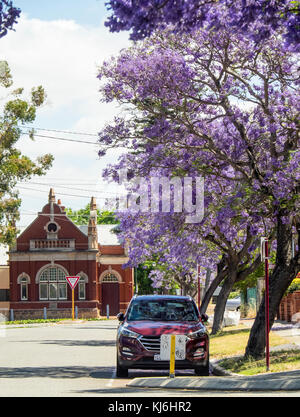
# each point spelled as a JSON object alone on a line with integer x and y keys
{"x": 107, "y": 311}
{"x": 12, "y": 315}
{"x": 172, "y": 356}
{"x": 76, "y": 312}
{"x": 45, "y": 313}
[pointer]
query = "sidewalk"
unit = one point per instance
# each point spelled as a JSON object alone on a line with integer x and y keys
{"x": 280, "y": 381}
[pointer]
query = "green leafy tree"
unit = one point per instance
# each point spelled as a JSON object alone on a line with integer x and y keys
{"x": 81, "y": 216}
{"x": 16, "y": 110}
{"x": 144, "y": 283}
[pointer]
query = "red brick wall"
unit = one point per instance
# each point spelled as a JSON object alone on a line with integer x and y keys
{"x": 289, "y": 305}
{"x": 68, "y": 230}
{"x": 65, "y": 313}
{"x": 31, "y": 268}
{"x": 111, "y": 250}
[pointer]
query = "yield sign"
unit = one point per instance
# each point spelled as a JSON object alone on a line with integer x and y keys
{"x": 72, "y": 281}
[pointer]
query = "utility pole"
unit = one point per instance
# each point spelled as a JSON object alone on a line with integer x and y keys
{"x": 265, "y": 258}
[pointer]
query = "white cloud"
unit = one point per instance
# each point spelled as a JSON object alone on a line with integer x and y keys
{"x": 63, "y": 57}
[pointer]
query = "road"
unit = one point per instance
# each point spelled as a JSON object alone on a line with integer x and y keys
{"x": 74, "y": 360}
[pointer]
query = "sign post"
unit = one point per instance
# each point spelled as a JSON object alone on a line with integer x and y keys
{"x": 73, "y": 281}
{"x": 199, "y": 286}
{"x": 265, "y": 258}
{"x": 172, "y": 356}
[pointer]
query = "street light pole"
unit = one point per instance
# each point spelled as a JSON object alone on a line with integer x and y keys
{"x": 265, "y": 258}
{"x": 199, "y": 287}
{"x": 267, "y": 314}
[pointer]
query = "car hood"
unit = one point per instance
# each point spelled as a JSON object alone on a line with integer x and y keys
{"x": 156, "y": 328}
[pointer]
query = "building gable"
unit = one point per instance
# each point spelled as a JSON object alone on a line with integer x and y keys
{"x": 52, "y": 229}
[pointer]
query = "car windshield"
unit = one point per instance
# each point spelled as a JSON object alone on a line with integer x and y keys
{"x": 162, "y": 310}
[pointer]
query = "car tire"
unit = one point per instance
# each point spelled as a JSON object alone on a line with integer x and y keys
{"x": 202, "y": 370}
{"x": 122, "y": 372}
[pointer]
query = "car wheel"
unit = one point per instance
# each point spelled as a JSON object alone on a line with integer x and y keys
{"x": 121, "y": 371}
{"x": 202, "y": 370}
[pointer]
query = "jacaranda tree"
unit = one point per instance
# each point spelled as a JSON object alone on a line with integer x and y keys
{"x": 227, "y": 107}
{"x": 257, "y": 19}
{"x": 223, "y": 241}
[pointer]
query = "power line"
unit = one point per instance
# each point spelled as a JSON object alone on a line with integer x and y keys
{"x": 53, "y": 184}
{"x": 72, "y": 188}
{"x": 63, "y": 139}
{"x": 70, "y": 195}
{"x": 62, "y": 131}
{"x": 74, "y": 179}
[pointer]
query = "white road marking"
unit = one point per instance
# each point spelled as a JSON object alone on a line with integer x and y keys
{"x": 111, "y": 381}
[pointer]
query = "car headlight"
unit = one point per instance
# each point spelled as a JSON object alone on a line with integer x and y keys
{"x": 195, "y": 335}
{"x": 129, "y": 333}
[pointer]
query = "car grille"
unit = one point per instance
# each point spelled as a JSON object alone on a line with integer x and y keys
{"x": 151, "y": 343}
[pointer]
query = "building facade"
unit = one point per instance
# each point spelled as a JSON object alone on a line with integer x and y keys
{"x": 4, "y": 293}
{"x": 53, "y": 247}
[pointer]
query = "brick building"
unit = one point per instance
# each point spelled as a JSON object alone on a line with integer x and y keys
{"x": 4, "y": 292}
{"x": 53, "y": 247}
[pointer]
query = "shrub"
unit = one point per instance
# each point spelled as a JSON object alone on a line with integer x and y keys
{"x": 295, "y": 286}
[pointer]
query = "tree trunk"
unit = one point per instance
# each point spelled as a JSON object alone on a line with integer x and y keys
{"x": 207, "y": 280}
{"x": 209, "y": 293}
{"x": 286, "y": 269}
{"x": 222, "y": 299}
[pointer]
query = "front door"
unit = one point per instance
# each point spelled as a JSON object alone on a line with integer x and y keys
{"x": 110, "y": 296}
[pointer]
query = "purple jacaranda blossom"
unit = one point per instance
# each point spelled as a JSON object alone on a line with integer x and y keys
{"x": 8, "y": 16}
{"x": 243, "y": 135}
{"x": 257, "y": 19}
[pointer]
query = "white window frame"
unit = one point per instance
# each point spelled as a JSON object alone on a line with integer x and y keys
{"x": 80, "y": 286}
{"x": 49, "y": 280}
{"x": 24, "y": 283}
{"x": 24, "y": 280}
{"x": 82, "y": 283}
{"x": 45, "y": 283}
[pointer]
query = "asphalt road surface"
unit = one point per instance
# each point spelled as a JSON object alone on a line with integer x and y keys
{"x": 74, "y": 360}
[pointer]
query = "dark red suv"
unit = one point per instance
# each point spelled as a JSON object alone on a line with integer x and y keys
{"x": 150, "y": 316}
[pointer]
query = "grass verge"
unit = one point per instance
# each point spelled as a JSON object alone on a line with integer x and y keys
{"x": 232, "y": 341}
{"x": 280, "y": 361}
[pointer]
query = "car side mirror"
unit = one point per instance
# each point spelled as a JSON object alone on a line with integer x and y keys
{"x": 121, "y": 316}
{"x": 204, "y": 317}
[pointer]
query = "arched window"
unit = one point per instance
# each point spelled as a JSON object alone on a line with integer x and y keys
{"x": 52, "y": 283}
{"x": 109, "y": 277}
{"x": 24, "y": 289}
{"x": 82, "y": 285}
{"x": 23, "y": 280}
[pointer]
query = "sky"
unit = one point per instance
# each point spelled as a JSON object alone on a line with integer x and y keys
{"x": 59, "y": 45}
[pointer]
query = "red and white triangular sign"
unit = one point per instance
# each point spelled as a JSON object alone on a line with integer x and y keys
{"x": 72, "y": 281}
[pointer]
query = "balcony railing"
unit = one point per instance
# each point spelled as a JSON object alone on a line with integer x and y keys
{"x": 45, "y": 244}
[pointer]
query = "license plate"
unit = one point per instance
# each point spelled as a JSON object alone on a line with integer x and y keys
{"x": 157, "y": 358}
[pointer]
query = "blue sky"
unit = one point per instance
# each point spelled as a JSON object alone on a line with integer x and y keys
{"x": 60, "y": 45}
{"x": 85, "y": 12}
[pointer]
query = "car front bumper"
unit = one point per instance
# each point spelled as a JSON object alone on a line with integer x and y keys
{"x": 132, "y": 354}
